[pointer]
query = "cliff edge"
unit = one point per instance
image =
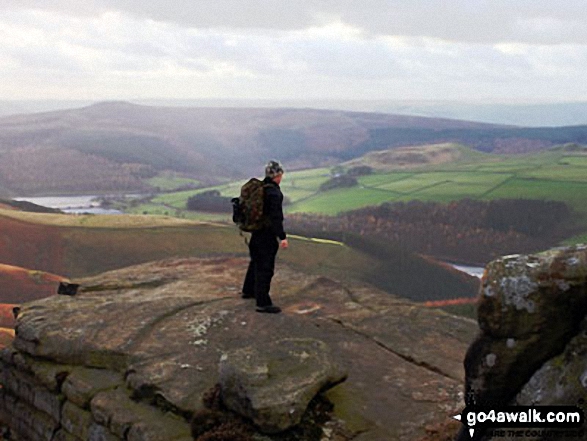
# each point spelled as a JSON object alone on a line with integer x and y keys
{"x": 133, "y": 354}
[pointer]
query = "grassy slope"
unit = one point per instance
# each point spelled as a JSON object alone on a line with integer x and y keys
{"x": 22, "y": 285}
{"x": 169, "y": 181}
{"x": 86, "y": 245}
{"x": 556, "y": 175}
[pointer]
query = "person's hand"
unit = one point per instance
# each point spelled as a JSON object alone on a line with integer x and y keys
{"x": 284, "y": 244}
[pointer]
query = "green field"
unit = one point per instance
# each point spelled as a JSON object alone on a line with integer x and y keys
{"x": 342, "y": 199}
{"x": 555, "y": 174}
{"x": 377, "y": 180}
{"x": 299, "y": 185}
{"x": 578, "y": 161}
{"x": 160, "y": 210}
{"x": 571, "y": 192}
{"x": 537, "y": 176}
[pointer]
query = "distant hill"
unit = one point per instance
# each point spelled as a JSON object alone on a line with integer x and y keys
{"x": 518, "y": 114}
{"x": 118, "y": 146}
{"x": 415, "y": 157}
{"x": 11, "y": 204}
{"x": 528, "y": 115}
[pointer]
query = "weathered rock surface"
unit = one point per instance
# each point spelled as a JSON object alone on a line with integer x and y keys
{"x": 131, "y": 355}
{"x": 274, "y": 384}
{"x": 530, "y": 308}
{"x": 532, "y": 348}
{"x": 562, "y": 380}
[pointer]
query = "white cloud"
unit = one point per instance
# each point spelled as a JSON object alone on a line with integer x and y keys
{"x": 104, "y": 51}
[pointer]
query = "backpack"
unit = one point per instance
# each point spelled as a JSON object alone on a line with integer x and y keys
{"x": 247, "y": 210}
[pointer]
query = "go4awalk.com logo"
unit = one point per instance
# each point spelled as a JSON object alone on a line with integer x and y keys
{"x": 520, "y": 421}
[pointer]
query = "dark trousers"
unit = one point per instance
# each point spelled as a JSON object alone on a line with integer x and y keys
{"x": 262, "y": 249}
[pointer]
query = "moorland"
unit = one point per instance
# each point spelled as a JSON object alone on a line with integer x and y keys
{"x": 374, "y": 197}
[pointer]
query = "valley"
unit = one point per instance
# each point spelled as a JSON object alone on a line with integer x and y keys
{"x": 119, "y": 147}
{"x": 167, "y": 155}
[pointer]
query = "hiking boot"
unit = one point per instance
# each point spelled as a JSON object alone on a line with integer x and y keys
{"x": 270, "y": 309}
{"x": 247, "y": 296}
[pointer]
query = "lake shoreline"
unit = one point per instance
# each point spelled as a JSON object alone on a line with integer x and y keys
{"x": 72, "y": 204}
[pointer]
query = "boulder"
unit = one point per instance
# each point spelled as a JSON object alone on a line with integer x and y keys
{"x": 532, "y": 345}
{"x": 530, "y": 308}
{"x": 297, "y": 368}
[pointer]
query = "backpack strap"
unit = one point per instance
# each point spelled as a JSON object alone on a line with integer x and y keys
{"x": 243, "y": 236}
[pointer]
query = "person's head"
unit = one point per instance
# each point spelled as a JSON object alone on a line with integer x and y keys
{"x": 274, "y": 171}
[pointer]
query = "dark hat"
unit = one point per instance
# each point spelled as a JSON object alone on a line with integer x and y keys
{"x": 273, "y": 169}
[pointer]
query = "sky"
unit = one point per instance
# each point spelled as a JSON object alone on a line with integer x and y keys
{"x": 522, "y": 51}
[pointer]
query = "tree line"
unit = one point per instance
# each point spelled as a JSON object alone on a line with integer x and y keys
{"x": 468, "y": 230}
{"x": 210, "y": 202}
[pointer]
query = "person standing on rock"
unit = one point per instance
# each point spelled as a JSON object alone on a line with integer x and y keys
{"x": 265, "y": 242}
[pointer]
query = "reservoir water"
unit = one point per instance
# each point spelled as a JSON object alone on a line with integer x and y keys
{"x": 476, "y": 271}
{"x": 71, "y": 204}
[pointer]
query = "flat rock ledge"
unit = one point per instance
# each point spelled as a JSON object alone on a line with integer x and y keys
{"x": 273, "y": 385}
{"x": 132, "y": 355}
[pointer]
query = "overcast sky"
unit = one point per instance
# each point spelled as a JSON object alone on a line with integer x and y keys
{"x": 471, "y": 50}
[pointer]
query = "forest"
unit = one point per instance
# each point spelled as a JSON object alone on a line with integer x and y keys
{"x": 467, "y": 231}
{"x": 210, "y": 202}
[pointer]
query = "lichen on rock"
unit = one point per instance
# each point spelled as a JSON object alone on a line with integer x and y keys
{"x": 251, "y": 377}
{"x": 532, "y": 344}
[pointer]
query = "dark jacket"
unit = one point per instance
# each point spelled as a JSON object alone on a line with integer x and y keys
{"x": 272, "y": 209}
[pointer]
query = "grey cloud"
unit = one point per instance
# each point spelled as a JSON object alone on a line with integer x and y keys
{"x": 479, "y": 21}
{"x": 181, "y": 53}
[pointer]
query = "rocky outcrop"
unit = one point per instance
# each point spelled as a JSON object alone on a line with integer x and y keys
{"x": 562, "y": 380}
{"x": 274, "y": 384}
{"x": 532, "y": 346}
{"x": 133, "y": 353}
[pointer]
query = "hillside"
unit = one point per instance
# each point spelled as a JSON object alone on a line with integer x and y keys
{"x": 445, "y": 173}
{"x": 20, "y": 285}
{"x": 526, "y": 115}
{"x": 11, "y": 204}
{"x": 114, "y": 147}
{"x": 82, "y": 245}
{"x": 415, "y": 157}
{"x": 444, "y": 200}
{"x": 436, "y": 173}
